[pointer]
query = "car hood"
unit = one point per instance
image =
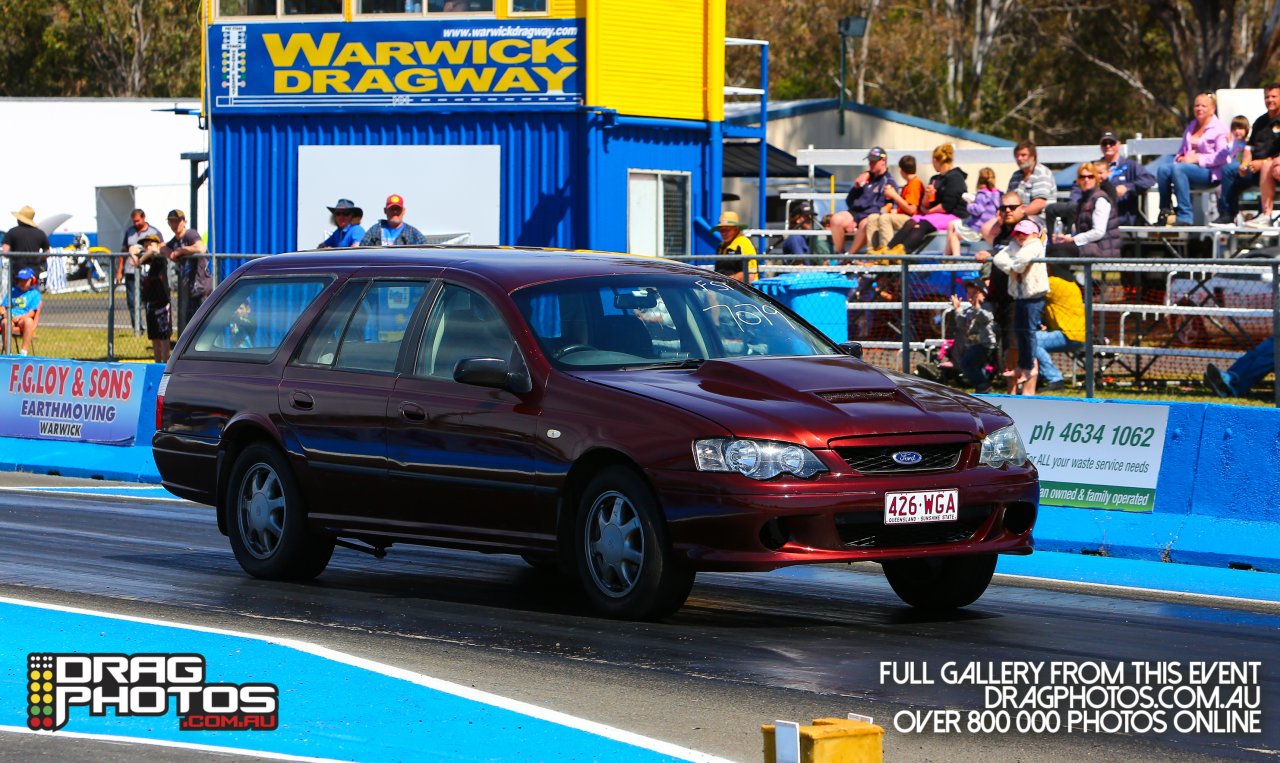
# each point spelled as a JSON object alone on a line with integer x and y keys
{"x": 809, "y": 400}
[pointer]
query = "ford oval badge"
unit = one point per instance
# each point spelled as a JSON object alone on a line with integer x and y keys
{"x": 907, "y": 457}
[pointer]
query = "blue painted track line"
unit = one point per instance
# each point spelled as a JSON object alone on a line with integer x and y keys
{"x": 332, "y": 705}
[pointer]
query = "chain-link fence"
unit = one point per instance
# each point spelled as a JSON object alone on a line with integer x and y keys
{"x": 1153, "y": 323}
{"x": 81, "y": 318}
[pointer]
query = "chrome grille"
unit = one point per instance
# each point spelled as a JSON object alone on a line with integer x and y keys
{"x": 879, "y": 460}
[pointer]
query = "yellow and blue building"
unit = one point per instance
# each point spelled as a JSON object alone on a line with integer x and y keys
{"x": 600, "y": 122}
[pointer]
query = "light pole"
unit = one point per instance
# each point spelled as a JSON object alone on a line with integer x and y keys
{"x": 849, "y": 26}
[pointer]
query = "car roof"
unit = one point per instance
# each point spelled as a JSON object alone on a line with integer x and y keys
{"x": 509, "y": 267}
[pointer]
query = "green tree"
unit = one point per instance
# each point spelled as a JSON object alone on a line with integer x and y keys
{"x": 107, "y": 48}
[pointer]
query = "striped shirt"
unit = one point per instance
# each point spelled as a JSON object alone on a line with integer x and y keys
{"x": 1039, "y": 186}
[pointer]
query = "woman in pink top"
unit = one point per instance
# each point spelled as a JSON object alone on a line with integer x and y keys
{"x": 1206, "y": 146}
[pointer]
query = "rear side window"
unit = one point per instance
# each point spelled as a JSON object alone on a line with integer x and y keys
{"x": 255, "y": 315}
{"x": 372, "y": 339}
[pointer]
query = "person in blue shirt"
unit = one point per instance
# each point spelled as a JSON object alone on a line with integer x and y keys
{"x": 25, "y": 299}
{"x": 393, "y": 231}
{"x": 346, "y": 216}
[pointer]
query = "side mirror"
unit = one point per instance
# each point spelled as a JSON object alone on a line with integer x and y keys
{"x": 853, "y": 349}
{"x": 491, "y": 372}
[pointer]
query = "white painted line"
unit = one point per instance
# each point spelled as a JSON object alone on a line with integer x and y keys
{"x": 162, "y": 743}
{"x": 448, "y": 687}
{"x": 99, "y": 494}
{"x": 1161, "y": 592}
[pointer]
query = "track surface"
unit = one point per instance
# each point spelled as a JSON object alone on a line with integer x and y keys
{"x": 795, "y": 644}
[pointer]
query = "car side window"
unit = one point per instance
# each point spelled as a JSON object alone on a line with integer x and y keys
{"x": 254, "y": 316}
{"x": 371, "y": 337}
{"x": 376, "y": 329}
{"x": 462, "y": 324}
{"x": 321, "y": 345}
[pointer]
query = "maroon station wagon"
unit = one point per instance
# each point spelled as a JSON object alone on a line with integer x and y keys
{"x": 629, "y": 420}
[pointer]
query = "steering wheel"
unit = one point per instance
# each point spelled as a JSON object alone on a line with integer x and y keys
{"x": 576, "y": 347}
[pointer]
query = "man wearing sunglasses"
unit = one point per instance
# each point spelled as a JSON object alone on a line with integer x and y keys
{"x": 1126, "y": 181}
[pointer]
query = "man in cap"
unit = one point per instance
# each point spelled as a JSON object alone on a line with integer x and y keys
{"x": 801, "y": 219}
{"x": 393, "y": 230}
{"x": 25, "y": 237}
{"x": 127, "y": 267}
{"x": 195, "y": 281}
{"x": 155, "y": 294}
{"x": 733, "y": 242}
{"x": 346, "y": 216}
{"x": 1126, "y": 180}
{"x": 866, "y": 197}
{"x": 25, "y": 299}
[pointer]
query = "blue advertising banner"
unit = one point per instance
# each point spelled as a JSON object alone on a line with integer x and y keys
{"x": 393, "y": 65}
{"x": 51, "y": 399}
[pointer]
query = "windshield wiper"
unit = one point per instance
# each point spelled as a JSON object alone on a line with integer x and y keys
{"x": 686, "y": 363}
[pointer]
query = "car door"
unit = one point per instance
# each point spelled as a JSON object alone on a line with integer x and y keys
{"x": 462, "y": 456}
{"x": 333, "y": 396}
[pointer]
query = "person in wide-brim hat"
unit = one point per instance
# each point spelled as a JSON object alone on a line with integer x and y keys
{"x": 26, "y": 215}
{"x": 346, "y": 217}
{"x": 346, "y": 206}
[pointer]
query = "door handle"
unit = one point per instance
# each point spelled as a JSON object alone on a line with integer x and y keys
{"x": 413, "y": 412}
{"x": 302, "y": 401}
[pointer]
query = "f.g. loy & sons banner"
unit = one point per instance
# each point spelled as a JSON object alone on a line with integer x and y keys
{"x": 396, "y": 65}
{"x": 68, "y": 400}
{"x": 1096, "y": 456}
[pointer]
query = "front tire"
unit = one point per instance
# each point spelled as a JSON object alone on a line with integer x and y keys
{"x": 267, "y": 521}
{"x": 624, "y": 558}
{"x": 941, "y": 583}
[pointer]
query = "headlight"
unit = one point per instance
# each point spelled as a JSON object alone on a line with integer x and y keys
{"x": 1003, "y": 446}
{"x": 757, "y": 459}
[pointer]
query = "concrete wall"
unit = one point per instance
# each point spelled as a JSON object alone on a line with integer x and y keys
{"x": 1217, "y": 496}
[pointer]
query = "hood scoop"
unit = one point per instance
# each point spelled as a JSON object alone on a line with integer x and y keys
{"x": 857, "y": 396}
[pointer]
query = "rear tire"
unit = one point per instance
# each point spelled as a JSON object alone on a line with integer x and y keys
{"x": 267, "y": 522}
{"x": 941, "y": 583}
{"x": 624, "y": 558}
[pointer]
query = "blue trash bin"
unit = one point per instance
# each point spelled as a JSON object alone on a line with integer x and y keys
{"x": 819, "y": 298}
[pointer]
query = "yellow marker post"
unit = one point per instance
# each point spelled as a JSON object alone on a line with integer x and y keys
{"x": 832, "y": 740}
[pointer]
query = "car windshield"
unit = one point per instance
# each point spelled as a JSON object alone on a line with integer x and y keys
{"x": 653, "y": 320}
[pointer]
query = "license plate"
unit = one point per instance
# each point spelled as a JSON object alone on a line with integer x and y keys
{"x": 921, "y": 506}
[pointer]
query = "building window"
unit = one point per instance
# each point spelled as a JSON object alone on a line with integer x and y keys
{"x": 527, "y": 8}
{"x": 658, "y": 213}
{"x": 432, "y": 6}
{"x": 276, "y": 8}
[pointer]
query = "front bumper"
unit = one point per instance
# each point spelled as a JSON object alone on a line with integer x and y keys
{"x": 717, "y": 525}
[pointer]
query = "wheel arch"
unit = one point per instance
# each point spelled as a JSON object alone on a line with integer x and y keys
{"x": 575, "y": 481}
{"x": 238, "y": 435}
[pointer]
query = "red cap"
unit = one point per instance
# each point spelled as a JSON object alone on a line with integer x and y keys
{"x": 394, "y": 200}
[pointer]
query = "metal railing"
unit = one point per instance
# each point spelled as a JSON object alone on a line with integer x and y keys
{"x": 1149, "y": 322}
{"x": 81, "y": 318}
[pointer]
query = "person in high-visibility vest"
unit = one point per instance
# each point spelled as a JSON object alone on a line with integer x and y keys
{"x": 733, "y": 242}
